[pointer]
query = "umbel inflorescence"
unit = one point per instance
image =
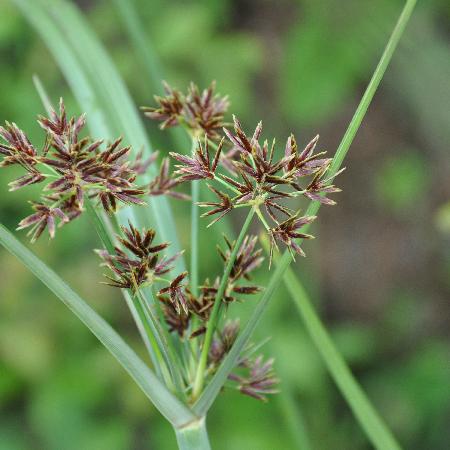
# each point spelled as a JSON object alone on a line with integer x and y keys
{"x": 240, "y": 170}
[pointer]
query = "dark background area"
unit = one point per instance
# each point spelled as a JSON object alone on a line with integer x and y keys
{"x": 378, "y": 272}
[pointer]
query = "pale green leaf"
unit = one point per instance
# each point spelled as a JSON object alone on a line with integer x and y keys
{"x": 175, "y": 411}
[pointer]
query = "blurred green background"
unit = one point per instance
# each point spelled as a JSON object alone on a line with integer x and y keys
{"x": 379, "y": 272}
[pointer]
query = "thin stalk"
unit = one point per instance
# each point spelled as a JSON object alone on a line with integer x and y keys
{"x": 133, "y": 303}
{"x": 227, "y": 185}
{"x": 230, "y": 361}
{"x": 262, "y": 219}
{"x": 100, "y": 226}
{"x": 193, "y": 437}
{"x": 195, "y": 194}
{"x": 366, "y": 100}
{"x": 42, "y": 94}
{"x": 195, "y": 189}
{"x": 158, "y": 348}
{"x": 213, "y": 319}
{"x": 164, "y": 348}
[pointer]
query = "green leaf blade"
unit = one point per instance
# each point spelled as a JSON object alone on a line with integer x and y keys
{"x": 365, "y": 413}
{"x": 174, "y": 411}
{"x": 102, "y": 94}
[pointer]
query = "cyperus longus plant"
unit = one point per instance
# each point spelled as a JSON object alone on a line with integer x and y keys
{"x": 185, "y": 322}
{"x": 194, "y": 348}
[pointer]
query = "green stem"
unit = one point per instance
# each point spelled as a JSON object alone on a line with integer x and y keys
{"x": 159, "y": 342}
{"x": 364, "y": 104}
{"x": 42, "y": 94}
{"x": 195, "y": 193}
{"x": 151, "y": 335}
{"x": 193, "y": 437}
{"x": 99, "y": 226}
{"x": 212, "y": 322}
{"x": 371, "y": 422}
{"x": 262, "y": 219}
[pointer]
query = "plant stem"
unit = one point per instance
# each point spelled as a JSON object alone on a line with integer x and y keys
{"x": 193, "y": 437}
{"x": 212, "y": 322}
{"x": 195, "y": 193}
{"x": 157, "y": 336}
{"x": 152, "y": 337}
{"x": 262, "y": 218}
{"x": 42, "y": 94}
{"x": 99, "y": 226}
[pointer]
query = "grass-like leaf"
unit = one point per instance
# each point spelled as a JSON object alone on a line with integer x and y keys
{"x": 215, "y": 385}
{"x": 100, "y": 92}
{"x": 363, "y": 410}
{"x": 175, "y": 411}
{"x": 152, "y": 338}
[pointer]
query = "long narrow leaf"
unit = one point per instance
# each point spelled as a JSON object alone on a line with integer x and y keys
{"x": 108, "y": 81}
{"x": 363, "y": 410}
{"x": 100, "y": 91}
{"x": 177, "y": 413}
{"x": 105, "y": 237}
{"x": 99, "y": 122}
{"x": 215, "y": 385}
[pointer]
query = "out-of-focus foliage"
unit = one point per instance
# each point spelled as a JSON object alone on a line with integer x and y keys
{"x": 379, "y": 271}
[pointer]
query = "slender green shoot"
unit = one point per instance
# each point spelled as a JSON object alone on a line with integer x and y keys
{"x": 212, "y": 322}
{"x": 195, "y": 197}
{"x": 174, "y": 411}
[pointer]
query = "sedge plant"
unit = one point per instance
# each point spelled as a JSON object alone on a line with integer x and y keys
{"x": 194, "y": 349}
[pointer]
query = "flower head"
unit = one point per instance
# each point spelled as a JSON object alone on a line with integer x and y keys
{"x": 305, "y": 163}
{"x": 222, "y": 207}
{"x": 320, "y": 187}
{"x": 199, "y": 166}
{"x": 177, "y": 293}
{"x": 287, "y": 232}
{"x": 137, "y": 261}
{"x": 169, "y": 110}
{"x": 74, "y": 167}
{"x": 164, "y": 183}
{"x": 223, "y": 341}
{"x": 260, "y": 380}
{"x": 201, "y": 112}
{"x": 248, "y": 258}
{"x": 44, "y": 217}
{"x": 205, "y": 111}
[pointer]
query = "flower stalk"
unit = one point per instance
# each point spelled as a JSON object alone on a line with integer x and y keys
{"x": 213, "y": 320}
